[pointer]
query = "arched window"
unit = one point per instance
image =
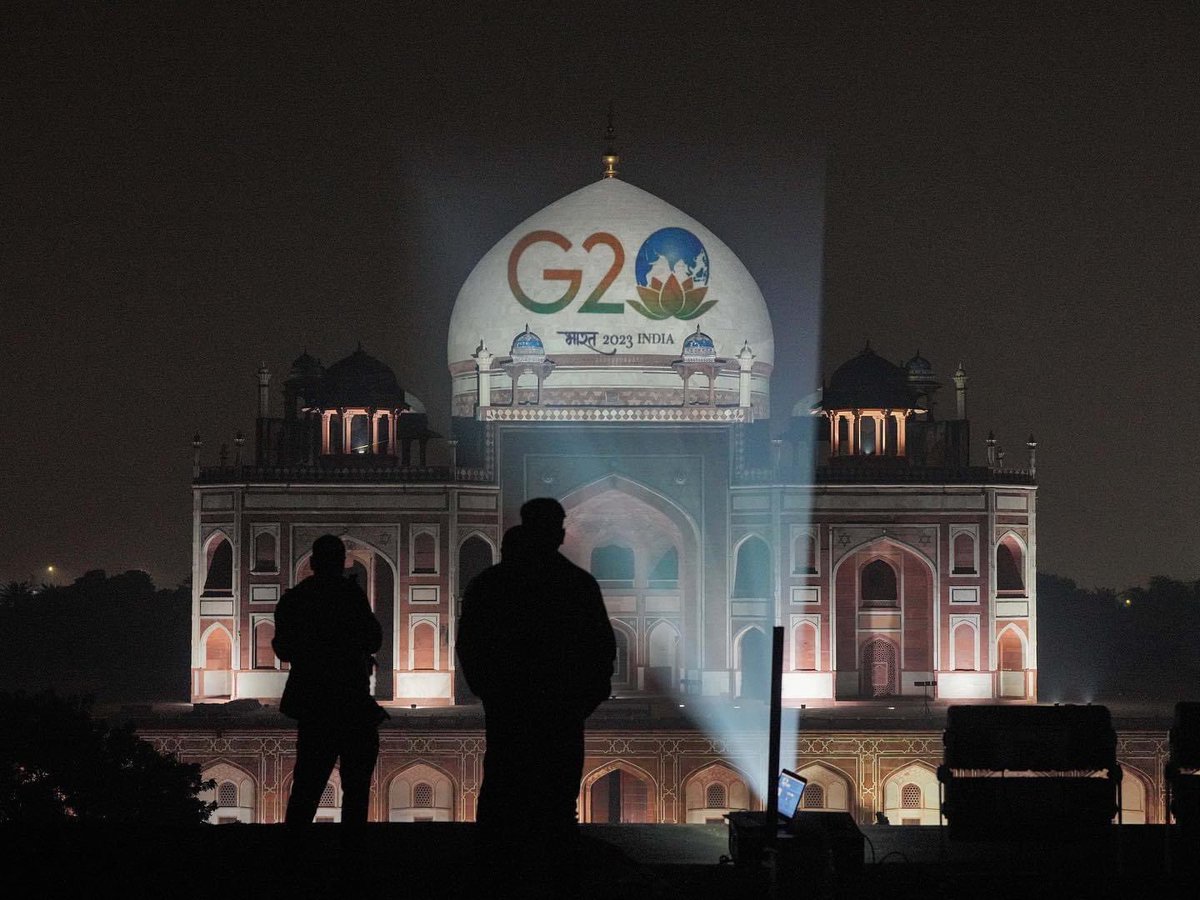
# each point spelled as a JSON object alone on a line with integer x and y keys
{"x": 264, "y": 653}
{"x": 1010, "y": 565}
{"x": 423, "y": 646}
{"x": 714, "y": 796}
{"x": 218, "y": 650}
{"x": 232, "y": 793}
{"x": 474, "y": 556}
{"x": 826, "y": 789}
{"x": 613, "y": 565}
{"x": 964, "y": 647}
{"x": 218, "y": 581}
{"x": 878, "y": 584}
{"x": 264, "y": 552}
{"x": 804, "y": 650}
{"x": 711, "y": 791}
{"x": 424, "y": 555}
{"x": 421, "y": 793}
{"x": 910, "y": 796}
{"x": 621, "y": 665}
{"x": 665, "y": 573}
{"x": 1012, "y": 653}
{"x": 752, "y": 576}
{"x": 227, "y": 794}
{"x": 804, "y": 555}
{"x": 964, "y": 554}
{"x": 813, "y": 797}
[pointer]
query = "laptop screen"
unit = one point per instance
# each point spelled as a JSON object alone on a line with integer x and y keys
{"x": 791, "y": 788}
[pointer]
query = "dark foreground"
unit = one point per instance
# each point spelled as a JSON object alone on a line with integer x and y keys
{"x": 618, "y": 861}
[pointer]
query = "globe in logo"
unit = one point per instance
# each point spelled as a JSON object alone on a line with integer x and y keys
{"x": 672, "y": 276}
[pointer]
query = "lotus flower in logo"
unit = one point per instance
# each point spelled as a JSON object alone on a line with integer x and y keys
{"x": 672, "y": 276}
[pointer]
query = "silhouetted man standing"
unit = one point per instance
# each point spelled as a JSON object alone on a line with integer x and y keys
{"x": 325, "y": 628}
{"x": 536, "y": 646}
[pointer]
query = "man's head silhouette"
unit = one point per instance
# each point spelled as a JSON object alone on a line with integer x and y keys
{"x": 328, "y": 555}
{"x": 542, "y": 524}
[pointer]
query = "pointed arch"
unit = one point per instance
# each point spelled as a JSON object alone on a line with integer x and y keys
{"x": 752, "y": 662}
{"x": 913, "y": 633}
{"x": 354, "y": 544}
{"x": 753, "y": 575}
{"x": 1012, "y": 564}
{"x": 806, "y": 645}
{"x": 421, "y": 791}
{"x": 878, "y": 547}
{"x": 878, "y": 585}
{"x": 476, "y": 552}
{"x": 1137, "y": 787}
{"x": 964, "y": 645}
{"x": 699, "y": 790}
{"x": 1012, "y": 661}
{"x": 911, "y": 795}
{"x": 243, "y": 796}
{"x": 631, "y": 797}
{"x": 226, "y": 635}
{"x": 836, "y": 788}
{"x": 218, "y": 565}
{"x": 647, "y": 494}
{"x": 628, "y": 658}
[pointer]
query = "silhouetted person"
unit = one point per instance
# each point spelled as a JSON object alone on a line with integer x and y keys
{"x": 325, "y": 628}
{"x": 536, "y": 646}
{"x": 881, "y": 819}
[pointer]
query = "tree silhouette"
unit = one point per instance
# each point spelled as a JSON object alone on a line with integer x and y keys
{"x": 58, "y": 763}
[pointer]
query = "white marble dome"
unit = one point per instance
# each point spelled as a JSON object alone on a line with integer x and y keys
{"x": 613, "y": 280}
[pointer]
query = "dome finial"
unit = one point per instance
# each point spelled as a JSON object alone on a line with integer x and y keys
{"x": 610, "y": 157}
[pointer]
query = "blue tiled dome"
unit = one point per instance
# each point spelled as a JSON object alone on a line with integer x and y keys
{"x": 528, "y": 347}
{"x": 699, "y": 347}
{"x": 918, "y": 366}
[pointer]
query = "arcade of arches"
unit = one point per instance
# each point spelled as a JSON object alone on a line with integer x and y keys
{"x": 645, "y": 777}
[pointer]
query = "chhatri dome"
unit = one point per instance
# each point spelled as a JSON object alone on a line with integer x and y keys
{"x": 611, "y": 281}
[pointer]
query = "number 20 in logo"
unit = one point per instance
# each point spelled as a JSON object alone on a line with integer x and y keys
{"x": 671, "y": 271}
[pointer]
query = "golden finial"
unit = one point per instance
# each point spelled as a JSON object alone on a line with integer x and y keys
{"x": 610, "y": 157}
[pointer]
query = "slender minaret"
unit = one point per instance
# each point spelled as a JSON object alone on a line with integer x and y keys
{"x": 991, "y": 449}
{"x": 196, "y": 445}
{"x": 960, "y": 391}
{"x": 264, "y": 393}
{"x": 483, "y": 361}
{"x": 745, "y": 366}
{"x": 1032, "y": 445}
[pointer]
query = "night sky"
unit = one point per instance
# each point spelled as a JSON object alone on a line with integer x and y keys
{"x": 186, "y": 191}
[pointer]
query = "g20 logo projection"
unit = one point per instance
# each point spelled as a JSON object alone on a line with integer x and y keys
{"x": 671, "y": 270}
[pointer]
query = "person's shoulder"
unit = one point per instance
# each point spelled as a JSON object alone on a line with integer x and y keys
{"x": 299, "y": 590}
{"x": 573, "y": 571}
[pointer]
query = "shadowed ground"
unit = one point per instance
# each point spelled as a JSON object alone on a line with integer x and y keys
{"x": 620, "y": 861}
